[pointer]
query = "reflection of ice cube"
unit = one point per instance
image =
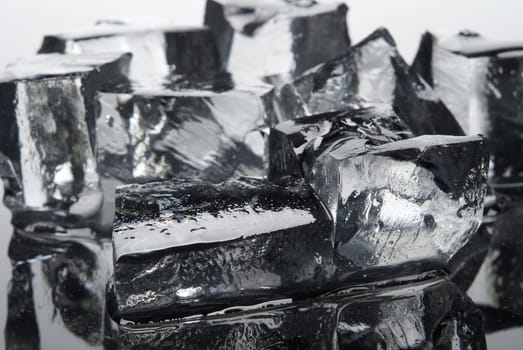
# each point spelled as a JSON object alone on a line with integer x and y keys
{"x": 498, "y": 285}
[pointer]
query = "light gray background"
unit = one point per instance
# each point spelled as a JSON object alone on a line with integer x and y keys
{"x": 23, "y": 23}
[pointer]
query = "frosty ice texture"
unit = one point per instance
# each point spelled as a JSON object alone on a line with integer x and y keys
{"x": 47, "y": 112}
{"x": 427, "y": 314}
{"x": 372, "y": 71}
{"x": 280, "y": 39}
{"x": 183, "y": 246}
{"x": 480, "y": 81}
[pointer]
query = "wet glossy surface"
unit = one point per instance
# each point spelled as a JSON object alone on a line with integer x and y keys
{"x": 198, "y": 130}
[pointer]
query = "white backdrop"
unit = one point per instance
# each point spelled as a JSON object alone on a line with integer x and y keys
{"x": 23, "y": 23}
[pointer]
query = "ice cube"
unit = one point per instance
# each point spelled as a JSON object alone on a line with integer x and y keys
{"x": 372, "y": 71}
{"x": 159, "y": 49}
{"x": 280, "y": 39}
{"x": 431, "y": 313}
{"x": 184, "y": 246}
{"x": 412, "y": 200}
{"x": 480, "y": 80}
{"x": 47, "y": 109}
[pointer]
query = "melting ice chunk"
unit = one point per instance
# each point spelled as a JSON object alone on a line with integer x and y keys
{"x": 371, "y": 71}
{"x": 430, "y": 313}
{"x": 279, "y": 38}
{"x": 47, "y": 112}
{"x": 182, "y": 246}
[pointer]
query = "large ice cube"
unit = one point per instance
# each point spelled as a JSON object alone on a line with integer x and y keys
{"x": 277, "y": 38}
{"x": 371, "y": 71}
{"x": 47, "y": 112}
{"x": 418, "y": 199}
{"x": 159, "y": 48}
{"x": 480, "y": 80}
{"x": 184, "y": 246}
{"x": 421, "y": 315}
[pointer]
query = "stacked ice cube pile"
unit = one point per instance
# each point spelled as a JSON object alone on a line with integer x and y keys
{"x": 268, "y": 185}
